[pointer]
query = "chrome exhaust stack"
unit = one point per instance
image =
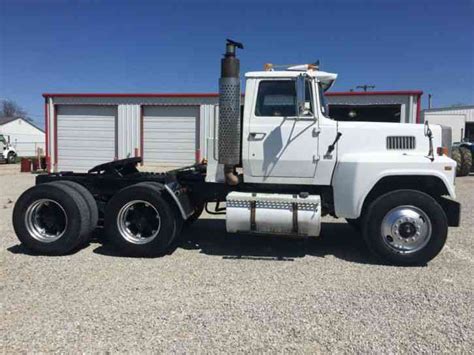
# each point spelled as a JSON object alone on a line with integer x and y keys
{"x": 229, "y": 113}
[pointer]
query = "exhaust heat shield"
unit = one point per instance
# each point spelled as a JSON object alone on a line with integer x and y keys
{"x": 229, "y": 107}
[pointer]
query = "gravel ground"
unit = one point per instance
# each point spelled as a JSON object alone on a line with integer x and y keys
{"x": 223, "y": 293}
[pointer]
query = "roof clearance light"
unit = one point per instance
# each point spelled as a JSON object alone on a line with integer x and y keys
{"x": 268, "y": 67}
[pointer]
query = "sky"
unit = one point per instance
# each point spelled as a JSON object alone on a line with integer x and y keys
{"x": 116, "y": 46}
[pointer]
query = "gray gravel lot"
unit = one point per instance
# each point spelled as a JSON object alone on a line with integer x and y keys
{"x": 225, "y": 293}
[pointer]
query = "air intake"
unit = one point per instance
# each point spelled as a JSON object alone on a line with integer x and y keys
{"x": 401, "y": 142}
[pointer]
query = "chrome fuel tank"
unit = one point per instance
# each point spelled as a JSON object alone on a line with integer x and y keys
{"x": 291, "y": 215}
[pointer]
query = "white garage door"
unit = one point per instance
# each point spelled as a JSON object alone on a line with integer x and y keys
{"x": 170, "y": 135}
{"x": 86, "y": 136}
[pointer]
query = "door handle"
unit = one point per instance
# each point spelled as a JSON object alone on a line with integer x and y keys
{"x": 256, "y": 136}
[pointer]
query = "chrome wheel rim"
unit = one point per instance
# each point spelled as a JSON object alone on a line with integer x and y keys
{"x": 46, "y": 220}
{"x": 138, "y": 222}
{"x": 406, "y": 229}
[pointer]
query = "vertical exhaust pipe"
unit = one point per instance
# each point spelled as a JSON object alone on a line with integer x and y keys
{"x": 229, "y": 112}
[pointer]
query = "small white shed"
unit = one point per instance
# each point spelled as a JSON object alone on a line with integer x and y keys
{"x": 23, "y": 135}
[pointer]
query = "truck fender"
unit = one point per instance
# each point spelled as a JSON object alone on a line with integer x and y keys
{"x": 180, "y": 197}
{"x": 352, "y": 188}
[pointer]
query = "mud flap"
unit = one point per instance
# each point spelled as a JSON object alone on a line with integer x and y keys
{"x": 452, "y": 210}
{"x": 181, "y": 198}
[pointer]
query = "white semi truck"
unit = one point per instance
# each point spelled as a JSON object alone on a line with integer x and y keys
{"x": 279, "y": 163}
{"x": 7, "y": 151}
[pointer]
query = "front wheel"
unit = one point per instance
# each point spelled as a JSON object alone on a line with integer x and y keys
{"x": 11, "y": 158}
{"x": 405, "y": 227}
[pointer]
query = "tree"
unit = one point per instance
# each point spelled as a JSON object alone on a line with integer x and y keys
{"x": 9, "y": 108}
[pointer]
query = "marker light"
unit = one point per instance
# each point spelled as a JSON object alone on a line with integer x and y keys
{"x": 442, "y": 150}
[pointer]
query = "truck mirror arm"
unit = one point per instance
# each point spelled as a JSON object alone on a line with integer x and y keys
{"x": 333, "y": 145}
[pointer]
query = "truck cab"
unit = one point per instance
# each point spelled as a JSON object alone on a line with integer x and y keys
{"x": 284, "y": 145}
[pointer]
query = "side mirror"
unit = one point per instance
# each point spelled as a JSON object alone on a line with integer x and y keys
{"x": 300, "y": 94}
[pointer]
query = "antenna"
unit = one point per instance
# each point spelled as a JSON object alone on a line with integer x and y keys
{"x": 365, "y": 87}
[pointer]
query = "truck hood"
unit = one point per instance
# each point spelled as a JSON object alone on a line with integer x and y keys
{"x": 387, "y": 138}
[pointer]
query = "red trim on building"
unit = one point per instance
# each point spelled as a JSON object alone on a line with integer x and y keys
{"x": 198, "y": 95}
{"x": 55, "y": 138}
{"x": 46, "y": 138}
{"x": 142, "y": 133}
{"x": 198, "y": 155}
{"x": 205, "y": 95}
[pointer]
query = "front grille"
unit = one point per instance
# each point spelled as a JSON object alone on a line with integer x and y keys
{"x": 400, "y": 142}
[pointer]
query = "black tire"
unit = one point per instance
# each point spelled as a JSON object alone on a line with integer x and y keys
{"x": 73, "y": 208}
{"x": 379, "y": 244}
{"x": 11, "y": 158}
{"x": 466, "y": 161}
{"x": 162, "y": 214}
{"x": 457, "y": 157}
{"x": 354, "y": 222}
{"x": 90, "y": 202}
{"x": 179, "y": 222}
{"x": 198, "y": 208}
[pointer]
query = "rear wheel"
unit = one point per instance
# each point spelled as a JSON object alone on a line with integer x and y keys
{"x": 178, "y": 220}
{"x": 405, "y": 227}
{"x": 466, "y": 161}
{"x": 457, "y": 157}
{"x": 90, "y": 202}
{"x": 50, "y": 219}
{"x": 139, "y": 221}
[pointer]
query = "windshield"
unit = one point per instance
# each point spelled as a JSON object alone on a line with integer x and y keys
{"x": 322, "y": 101}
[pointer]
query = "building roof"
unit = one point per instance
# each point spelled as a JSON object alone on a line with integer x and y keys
{"x": 5, "y": 120}
{"x": 205, "y": 95}
{"x": 452, "y": 108}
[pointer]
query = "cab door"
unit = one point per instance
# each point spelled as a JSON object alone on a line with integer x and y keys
{"x": 280, "y": 143}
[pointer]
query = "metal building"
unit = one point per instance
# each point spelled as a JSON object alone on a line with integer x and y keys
{"x": 460, "y": 119}
{"x": 83, "y": 130}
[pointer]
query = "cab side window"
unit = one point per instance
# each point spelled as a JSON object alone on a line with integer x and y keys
{"x": 278, "y": 98}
